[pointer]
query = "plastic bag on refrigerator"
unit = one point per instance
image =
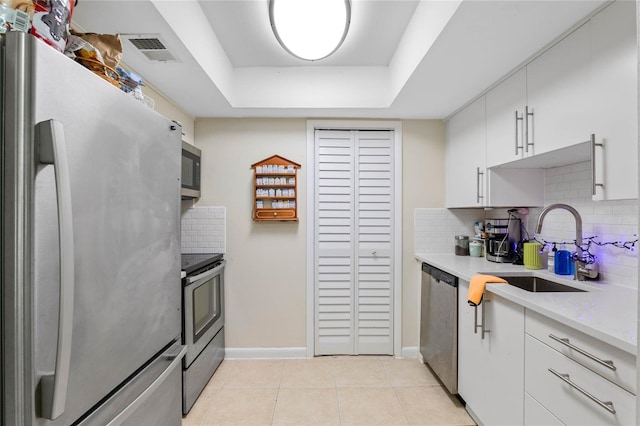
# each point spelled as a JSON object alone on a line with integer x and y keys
{"x": 51, "y": 22}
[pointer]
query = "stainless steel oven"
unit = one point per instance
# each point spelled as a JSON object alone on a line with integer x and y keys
{"x": 203, "y": 309}
{"x": 203, "y": 323}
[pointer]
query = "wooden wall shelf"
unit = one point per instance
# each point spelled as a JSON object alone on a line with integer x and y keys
{"x": 275, "y": 190}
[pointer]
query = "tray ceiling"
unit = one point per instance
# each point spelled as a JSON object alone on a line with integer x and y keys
{"x": 401, "y": 59}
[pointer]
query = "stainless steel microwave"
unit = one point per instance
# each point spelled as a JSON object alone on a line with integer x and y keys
{"x": 190, "y": 171}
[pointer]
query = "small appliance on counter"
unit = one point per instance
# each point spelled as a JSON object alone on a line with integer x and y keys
{"x": 502, "y": 239}
{"x": 202, "y": 322}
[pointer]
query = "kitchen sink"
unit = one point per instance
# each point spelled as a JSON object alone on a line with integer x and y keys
{"x": 539, "y": 285}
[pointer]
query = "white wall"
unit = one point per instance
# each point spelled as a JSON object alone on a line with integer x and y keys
{"x": 169, "y": 110}
{"x": 423, "y": 186}
{"x": 265, "y": 275}
{"x": 266, "y": 270}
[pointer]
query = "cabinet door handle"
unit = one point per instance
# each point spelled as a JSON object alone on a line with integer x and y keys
{"x": 594, "y": 184}
{"x": 478, "y": 174}
{"x": 477, "y": 326}
{"x": 607, "y": 405}
{"x": 563, "y": 340}
{"x": 516, "y": 138}
{"x": 527, "y": 114}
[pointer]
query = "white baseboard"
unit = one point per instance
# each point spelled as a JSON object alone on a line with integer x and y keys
{"x": 265, "y": 353}
{"x": 410, "y": 352}
{"x": 301, "y": 352}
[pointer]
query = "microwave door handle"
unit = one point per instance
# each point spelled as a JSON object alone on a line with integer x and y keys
{"x": 206, "y": 274}
{"x": 50, "y": 142}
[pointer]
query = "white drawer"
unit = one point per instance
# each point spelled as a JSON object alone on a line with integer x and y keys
{"x": 565, "y": 401}
{"x": 542, "y": 328}
{"x": 536, "y": 415}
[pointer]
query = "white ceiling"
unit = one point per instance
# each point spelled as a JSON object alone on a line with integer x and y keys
{"x": 401, "y": 58}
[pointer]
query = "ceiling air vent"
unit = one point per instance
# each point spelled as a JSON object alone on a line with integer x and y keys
{"x": 151, "y": 46}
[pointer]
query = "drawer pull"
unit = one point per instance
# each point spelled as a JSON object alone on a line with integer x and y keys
{"x": 607, "y": 405}
{"x": 477, "y": 326}
{"x": 607, "y": 363}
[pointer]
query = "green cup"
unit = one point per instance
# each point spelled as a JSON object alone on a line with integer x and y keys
{"x": 532, "y": 258}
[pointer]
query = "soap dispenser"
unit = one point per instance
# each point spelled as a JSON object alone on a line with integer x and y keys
{"x": 551, "y": 258}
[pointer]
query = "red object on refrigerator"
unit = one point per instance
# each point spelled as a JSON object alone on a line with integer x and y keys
{"x": 51, "y": 22}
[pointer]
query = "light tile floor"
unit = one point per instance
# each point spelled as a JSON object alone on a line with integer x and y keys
{"x": 355, "y": 390}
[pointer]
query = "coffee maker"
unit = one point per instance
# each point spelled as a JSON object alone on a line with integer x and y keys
{"x": 502, "y": 239}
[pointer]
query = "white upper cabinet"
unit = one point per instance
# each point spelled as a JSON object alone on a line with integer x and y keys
{"x": 468, "y": 181}
{"x": 465, "y": 157}
{"x": 506, "y": 104}
{"x": 615, "y": 124}
{"x": 560, "y": 95}
{"x": 544, "y": 115}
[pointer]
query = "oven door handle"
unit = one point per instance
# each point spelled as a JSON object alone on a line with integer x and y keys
{"x": 207, "y": 274}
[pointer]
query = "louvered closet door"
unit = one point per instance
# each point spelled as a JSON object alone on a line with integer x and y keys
{"x": 374, "y": 199}
{"x": 353, "y": 242}
{"x": 334, "y": 242}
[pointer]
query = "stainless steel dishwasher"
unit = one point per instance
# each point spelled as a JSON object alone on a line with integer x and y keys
{"x": 439, "y": 325}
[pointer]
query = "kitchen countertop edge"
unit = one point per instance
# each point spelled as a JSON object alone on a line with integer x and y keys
{"x": 619, "y": 330}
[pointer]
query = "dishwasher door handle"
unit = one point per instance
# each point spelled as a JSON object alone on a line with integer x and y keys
{"x": 481, "y": 326}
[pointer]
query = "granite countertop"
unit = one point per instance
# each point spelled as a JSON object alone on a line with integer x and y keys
{"x": 605, "y": 311}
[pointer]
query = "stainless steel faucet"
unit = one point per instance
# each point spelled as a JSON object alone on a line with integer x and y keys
{"x": 582, "y": 269}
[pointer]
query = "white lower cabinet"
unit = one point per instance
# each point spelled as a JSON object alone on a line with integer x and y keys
{"x": 609, "y": 362}
{"x": 532, "y": 370}
{"x": 536, "y": 415}
{"x": 491, "y": 369}
{"x": 573, "y": 393}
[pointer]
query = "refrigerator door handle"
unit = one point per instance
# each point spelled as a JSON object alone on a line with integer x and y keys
{"x": 51, "y": 146}
{"x": 131, "y": 408}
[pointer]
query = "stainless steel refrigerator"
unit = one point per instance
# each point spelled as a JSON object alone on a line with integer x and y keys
{"x": 90, "y": 301}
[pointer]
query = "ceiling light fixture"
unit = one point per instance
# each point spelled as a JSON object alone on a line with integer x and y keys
{"x": 310, "y": 29}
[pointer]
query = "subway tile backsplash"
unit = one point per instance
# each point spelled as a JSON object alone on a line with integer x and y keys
{"x": 606, "y": 220}
{"x": 204, "y": 230}
{"x": 435, "y": 228}
{"x": 571, "y": 184}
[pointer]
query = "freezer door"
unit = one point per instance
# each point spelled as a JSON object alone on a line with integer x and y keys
{"x": 118, "y": 208}
{"x": 152, "y": 397}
